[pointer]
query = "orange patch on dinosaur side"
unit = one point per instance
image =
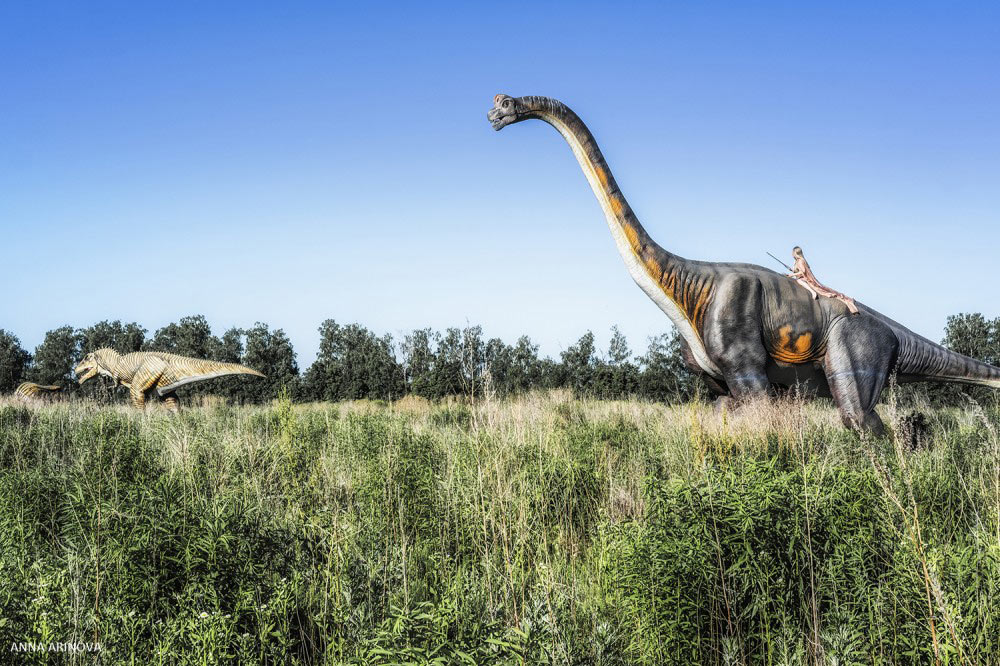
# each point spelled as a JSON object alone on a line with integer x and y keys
{"x": 803, "y": 343}
{"x": 799, "y": 350}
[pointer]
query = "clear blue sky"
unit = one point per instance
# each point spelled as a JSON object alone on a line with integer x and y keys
{"x": 297, "y": 162}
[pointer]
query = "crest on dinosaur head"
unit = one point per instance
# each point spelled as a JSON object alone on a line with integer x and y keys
{"x": 94, "y": 363}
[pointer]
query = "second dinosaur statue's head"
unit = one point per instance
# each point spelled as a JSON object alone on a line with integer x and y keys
{"x": 506, "y": 111}
{"x": 93, "y": 364}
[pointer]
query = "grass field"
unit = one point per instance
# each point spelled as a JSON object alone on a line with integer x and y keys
{"x": 539, "y": 530}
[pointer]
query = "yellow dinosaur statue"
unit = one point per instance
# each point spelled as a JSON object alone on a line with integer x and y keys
{"x": 143, "y": 372}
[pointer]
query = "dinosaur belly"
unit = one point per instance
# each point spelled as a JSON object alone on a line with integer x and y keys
{"x": 806, "y": 377}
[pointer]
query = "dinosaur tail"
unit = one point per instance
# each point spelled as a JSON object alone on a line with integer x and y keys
{"x": 921, "y": 359}
{"x": 196, "y": 370}
{"x": 30, "y": 389}
{"x": 233, "y": 369}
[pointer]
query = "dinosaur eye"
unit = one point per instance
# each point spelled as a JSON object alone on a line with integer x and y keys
{"x": 506, "y": 103}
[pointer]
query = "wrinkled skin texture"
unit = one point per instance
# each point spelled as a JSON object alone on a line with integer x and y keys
{"x": 747, "y": 329}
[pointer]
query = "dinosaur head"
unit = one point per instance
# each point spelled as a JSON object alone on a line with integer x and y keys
{"x": 93, "y": 364}
{"x": 506, "y": 111}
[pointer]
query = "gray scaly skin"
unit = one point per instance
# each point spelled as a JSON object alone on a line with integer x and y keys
{"x": 746, "y": 328}
{"x": 144, "y": 372}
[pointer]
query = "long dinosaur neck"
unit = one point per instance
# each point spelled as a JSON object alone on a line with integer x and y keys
{"x": 681, "y": 288}
{"x": 622, "y": 221}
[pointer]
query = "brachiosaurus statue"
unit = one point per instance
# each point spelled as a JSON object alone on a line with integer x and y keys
{"x": 142, "y": 372}
{"x": 30, "y": 390}
{"x": 745, "y": 327}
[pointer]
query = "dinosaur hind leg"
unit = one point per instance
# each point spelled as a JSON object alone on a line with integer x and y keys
{"x": 172, "y": 402}
{"x": 861, "y": 354}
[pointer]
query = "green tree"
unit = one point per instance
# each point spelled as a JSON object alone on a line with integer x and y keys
{"x": 418, "y": 362}
{"x": 553, "y": 374}
{"x": 269, "y": 352}
{"x": 664, "y": 375}
{"x": 353, "y": 363}
{"x": 473, "y": 361}
{"x": 619, "y": 376}
{"x": 526, "y": 368}
{"x": 580, "y": 365}
{"x": 14, "y": 361}
{"x": 122, "y": 337}
{"x": 191, "y": 336}
{"x": 973, "y": 335}
{"x": 56, "y": 357}
{"x": 229, "y": 347}
{"x": 447, "y": 369}
{"x": 498, "y": 366}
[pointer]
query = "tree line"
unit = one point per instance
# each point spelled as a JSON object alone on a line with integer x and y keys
{"x": 354, "y": 362}
{"x": 63, "y": 348}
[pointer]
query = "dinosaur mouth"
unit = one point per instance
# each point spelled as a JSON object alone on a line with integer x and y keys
{"x": 498, "y": 119}
{"x": 83, "y": 374}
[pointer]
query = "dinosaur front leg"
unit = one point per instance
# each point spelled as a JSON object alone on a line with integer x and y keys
{"x": 745, "y": 373}
{"x": 734, "y": 340}
{"x": 861, "y": 354}
{"x": 138, "y": 396}
{"x": 742, "y": 359}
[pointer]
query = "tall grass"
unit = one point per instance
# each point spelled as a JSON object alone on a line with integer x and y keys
{"x": 538, "y": 530}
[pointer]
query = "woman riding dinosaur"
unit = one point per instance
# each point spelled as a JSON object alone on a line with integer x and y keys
{"x": 802, "y": 274}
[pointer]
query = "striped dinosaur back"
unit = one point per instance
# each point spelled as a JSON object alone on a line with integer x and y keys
{"x": 186, "y": 370}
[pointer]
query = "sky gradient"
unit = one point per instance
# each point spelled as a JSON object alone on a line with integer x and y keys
{"x": 310, "y": 161}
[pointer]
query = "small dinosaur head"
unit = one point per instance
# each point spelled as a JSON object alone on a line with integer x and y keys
{"x": 92, "y": 365}
{"x": 506, "y": 110}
